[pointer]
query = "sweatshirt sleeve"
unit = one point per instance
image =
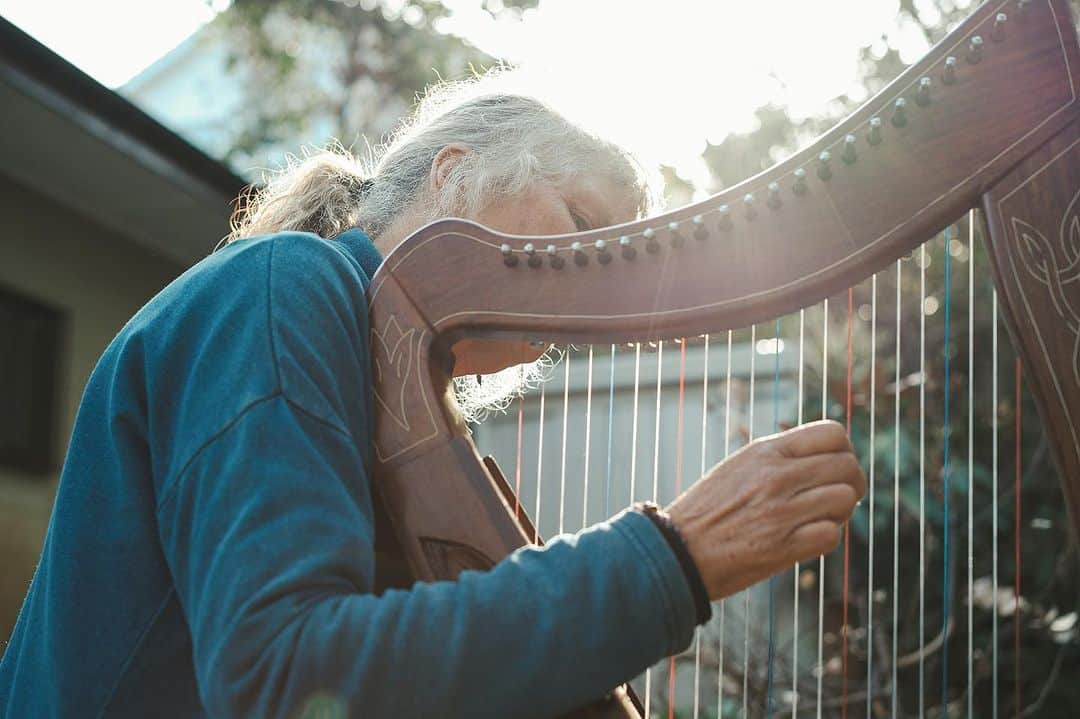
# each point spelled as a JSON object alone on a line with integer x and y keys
{"x": 269, "y": 534}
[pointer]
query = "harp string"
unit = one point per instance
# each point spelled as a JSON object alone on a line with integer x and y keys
{"x": 701, "y": 473}
{"x": 772, "y": 580}
{"x": 539, "y": 464}
{"x": 971, "y": 465}
{"x": 565, "y": 416}
{"x": 994, "y": 503}
{"x": 847, "y": 525}
{"x": 723, "y": 603}
{"x": 795, "y": 587}
{"x": 748, "y": 590}
{"x": 520, "y": 432}
{"x": 588, "y": 437}
{"x": 820, "y": 668}
{"x": 946, "y": 526}
{"x": 896, "y": 498}
{"x": 610, "y": 433}
{"x": 870, "y": 510}
{"x": 922, "y": 479}
{"x": 678, "y": 489}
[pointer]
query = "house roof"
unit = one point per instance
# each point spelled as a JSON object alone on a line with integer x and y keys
{"x": 83, "y": 145}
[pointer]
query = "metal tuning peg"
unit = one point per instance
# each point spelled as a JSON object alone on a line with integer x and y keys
{"x": 554, "y": 258}
{"x": 676, "y": 236}
{"x": 580, "y": 258}
{"x": 627, "y": 247}
{"x": 799, "y": 188}
{"x": 724, "y": 222}
{"x": 530, "y": 252}
{"x": 874, "y": 136}
{"x": 824, "y": 170}
{"x": 748, "y": 203}
{"x": 899, "y": 116}
{"x": 948, "y": 75}
{"x": 602, "y": 254}
{"x": 701, "y": 233}
{"x": 509, "y": 258}
{"x": 848, "y": 155}
{"x": 773, "y": 200}
{"x": 998, "y": 33}
{"x": 974, "y": 53}
{"x": 651, "y": 245}
{"x": 922, "y": 95}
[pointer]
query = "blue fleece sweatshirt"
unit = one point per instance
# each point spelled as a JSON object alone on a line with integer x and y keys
{"x": 211, "y": 549}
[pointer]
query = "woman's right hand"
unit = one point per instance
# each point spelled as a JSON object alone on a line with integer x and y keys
{"x": 779, "y": 500}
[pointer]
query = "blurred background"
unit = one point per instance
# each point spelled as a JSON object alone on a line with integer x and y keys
{"x": 128, "y": 129}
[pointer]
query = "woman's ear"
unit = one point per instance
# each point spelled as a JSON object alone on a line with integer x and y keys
{"x": 443, "y": 163}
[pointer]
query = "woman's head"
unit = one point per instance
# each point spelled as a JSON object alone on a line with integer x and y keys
{"x": 474, "y": 150}
{"x": 471, "y": 149}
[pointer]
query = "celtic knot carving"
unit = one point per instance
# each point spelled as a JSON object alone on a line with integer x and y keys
{"x": 1055, "y": 265}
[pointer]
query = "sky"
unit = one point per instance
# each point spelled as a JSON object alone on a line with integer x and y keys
{"x": 696, "y": 68}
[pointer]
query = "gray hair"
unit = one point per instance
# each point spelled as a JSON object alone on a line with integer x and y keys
{"x": 514, "y": 140}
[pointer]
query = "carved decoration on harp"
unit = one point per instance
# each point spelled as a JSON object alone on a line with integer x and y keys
{"x": 1054, "y": 266}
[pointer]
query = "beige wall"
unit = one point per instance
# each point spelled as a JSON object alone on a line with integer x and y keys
{"x": 99, "y": 280}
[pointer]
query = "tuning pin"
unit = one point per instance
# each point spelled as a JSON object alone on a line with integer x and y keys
{"x": 580, "y": 258}
{"x": 676, "y": 236}
{"x": 627, "y": 247}
{"x": 974, "y": 53}
{"x": 899, "y": 116}
{"x": 848, "y": 155}
{"x": 554, "y": 258}
{"x": 922, "y": 95}
{"x": 948, "y": 75}
{"x": 602, "y": 254}
{"x": 774, "y": 196}
{"x": 824, "y": 171}
{"x": 530, "y": 252}
{"x": 724, "y": 222}
{"x": 874, "y": 136}
{"x": 799, "y": 188}
{"x": 651, "y": 245}
{"x": 998, "y": 33}
{"x": 509, "y": 258}
{"x": 1023, "y": 6}
{"x": 748, "y": 204}
{"x": 701, "y": 232}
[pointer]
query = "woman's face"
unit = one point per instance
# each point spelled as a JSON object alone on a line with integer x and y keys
{"x": 583, "y": 204}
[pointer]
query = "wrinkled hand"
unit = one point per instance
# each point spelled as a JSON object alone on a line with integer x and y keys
{"x": 779, "y": 500}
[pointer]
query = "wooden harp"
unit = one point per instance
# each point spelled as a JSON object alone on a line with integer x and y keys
{"x": 988, "y": 120}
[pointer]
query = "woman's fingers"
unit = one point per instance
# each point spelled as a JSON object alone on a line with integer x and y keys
{"x": 818, "y": 470}
{"x": 817, "y": 437}
{"x": 814, "y": 539}
{"x": 831, "y": 501}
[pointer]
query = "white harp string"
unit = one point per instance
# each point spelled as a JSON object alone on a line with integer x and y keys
{"x": 820, "y": 668}
{"x": 727, "y": 447}
{"x": 870, "y": 507}
{"x": 795, "y": 588}
{"x": 588, "y": 437}
{"x": 565, "y": 411}
{"x": 971, "y": 464}
{"x": 922, "y": 478}
{"x": 747, "y": 591}
{"x": 701, "y": 473}
{"x": 896, "y": 499}
{"x": 540, "y": 462}
{"x": 994, "y": 501}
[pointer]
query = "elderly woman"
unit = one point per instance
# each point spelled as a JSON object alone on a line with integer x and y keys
{"x": 211, "y": 552}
